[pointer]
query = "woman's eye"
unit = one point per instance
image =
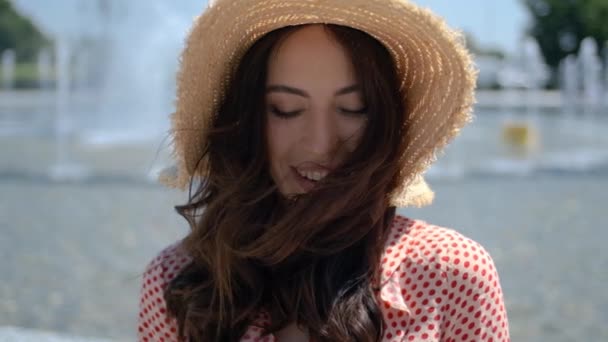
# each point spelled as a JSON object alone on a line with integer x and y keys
{"x": 362, "y": 111}
{"x": 282, "y": 114}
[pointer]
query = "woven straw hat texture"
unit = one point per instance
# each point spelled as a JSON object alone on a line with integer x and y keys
{"x": 436, "y": 73}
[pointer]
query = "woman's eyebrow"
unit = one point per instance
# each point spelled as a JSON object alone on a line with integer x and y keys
{"x": 350, "y": 89}
{"x": 281, "y": 88}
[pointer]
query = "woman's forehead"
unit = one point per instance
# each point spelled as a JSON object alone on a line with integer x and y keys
{"x": 308, "y": 56}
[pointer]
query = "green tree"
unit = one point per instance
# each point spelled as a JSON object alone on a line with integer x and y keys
{"x": 19, "y": 33}
{"x": 559, "y": 26}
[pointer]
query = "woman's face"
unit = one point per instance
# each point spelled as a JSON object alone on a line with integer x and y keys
{"x": 315, "y": 111}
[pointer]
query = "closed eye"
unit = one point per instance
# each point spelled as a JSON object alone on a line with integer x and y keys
{"x": 284, "y": 115}
{"x": 362, "y": 111}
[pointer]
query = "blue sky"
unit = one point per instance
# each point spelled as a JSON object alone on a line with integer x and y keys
{"x": 494, "y": 23}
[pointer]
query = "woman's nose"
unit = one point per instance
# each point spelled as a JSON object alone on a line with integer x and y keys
{"x": 321, "y": 134}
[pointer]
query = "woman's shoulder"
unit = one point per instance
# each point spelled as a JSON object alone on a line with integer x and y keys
{"x": 426, "y": 243}
{"x": 434, "y": 274}
{"x": 167, "y": 264}
{"x": 416, "y": 244}
{"x": 153, "y": 322}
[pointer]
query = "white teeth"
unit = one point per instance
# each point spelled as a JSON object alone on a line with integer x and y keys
{"x": 313, "y": 175}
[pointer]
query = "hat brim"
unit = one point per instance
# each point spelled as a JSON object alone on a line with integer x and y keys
{"x": 436, "y": 72}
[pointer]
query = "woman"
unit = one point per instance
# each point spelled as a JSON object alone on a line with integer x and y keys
{"x": 300, "y": 126}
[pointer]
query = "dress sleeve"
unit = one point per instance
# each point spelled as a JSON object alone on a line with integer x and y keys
{"x": 154, "y": 324}
{"x": 474, "y": 310}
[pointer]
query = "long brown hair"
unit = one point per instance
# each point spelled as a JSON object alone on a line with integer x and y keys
{"x": 310, "y": 260}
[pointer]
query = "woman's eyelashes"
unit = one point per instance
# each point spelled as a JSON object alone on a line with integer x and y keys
{"x": 289, "y": 114}
{"x": 362, "y": 111}
{"x": 283, "y": 114}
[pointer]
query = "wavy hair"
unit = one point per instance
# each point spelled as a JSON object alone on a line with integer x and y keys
{"x": 312, "y": 260}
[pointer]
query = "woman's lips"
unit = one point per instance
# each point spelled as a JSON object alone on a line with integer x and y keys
{"x": 304, "y": 183}
{"x": 312, "y": 166}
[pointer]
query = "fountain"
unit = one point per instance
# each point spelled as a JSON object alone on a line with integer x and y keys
{"x": 8, "y": 69}
{"x": 591, "y": 71}
{"x": 45, "y": 68}
{"x": 138, "y": 83}
{"x": 121, "y": 57}
{"x": 64, "y": 168}
{"x": 606, "y": 75}
{"x": 534, "y": 65}
{"x": 570, "y": 84}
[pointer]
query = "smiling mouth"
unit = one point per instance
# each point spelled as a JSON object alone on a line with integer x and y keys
{"x": 314, "y": 176}
{"x": 307, "y": 180}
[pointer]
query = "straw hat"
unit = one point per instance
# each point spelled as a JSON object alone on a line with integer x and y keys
{"x": 437, "y": 77}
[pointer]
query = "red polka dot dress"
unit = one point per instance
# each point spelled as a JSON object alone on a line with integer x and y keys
{"x": 436, "y": 285}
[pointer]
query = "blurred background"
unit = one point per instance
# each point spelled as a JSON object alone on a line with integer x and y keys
{"x": 86, "y": 87}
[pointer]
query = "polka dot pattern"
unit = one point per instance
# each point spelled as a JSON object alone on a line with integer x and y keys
{"x": 153, "y": 321}
{"x": 435, "y": 285}
{"x": 438, "y": 285}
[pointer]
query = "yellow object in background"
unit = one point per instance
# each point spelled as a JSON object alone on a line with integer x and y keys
{"x": 520, "y": 135}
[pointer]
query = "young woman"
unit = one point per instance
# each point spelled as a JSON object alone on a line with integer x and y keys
{"x": 300, "y": 126}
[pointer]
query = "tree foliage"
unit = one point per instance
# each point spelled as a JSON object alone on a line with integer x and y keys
{"x": 19, "y": 33}
{"x": 559, "y": 26}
